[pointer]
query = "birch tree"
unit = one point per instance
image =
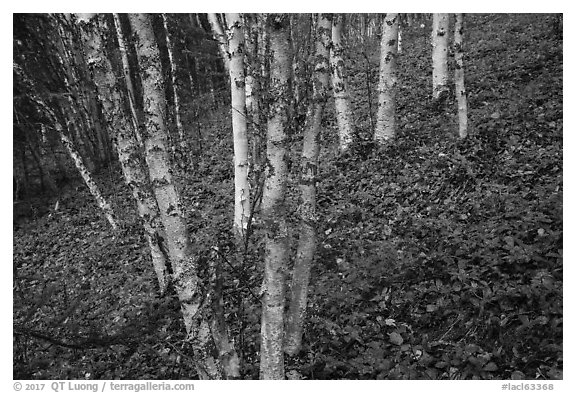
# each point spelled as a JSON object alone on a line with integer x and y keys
{"x": 187, "y": 283}
{"x": 236, "y": 49}
{"x": 94, "y": 190}
{"x": 273, "y": 208}
{"x": 459, "y": 77}
{"x": 127, "y": 146}
{"x": 123, "y": 46}
{"x": 68, "y": 144}
{"x": 307, "y": 240}
{"x": 175, "y": 89}
{"x": 340, "y": 87}
{"x": 440, "y": 56}
{"x": 385, "y": 120}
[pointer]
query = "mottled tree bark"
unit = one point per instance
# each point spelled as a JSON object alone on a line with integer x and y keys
{"x": 308, "y": 178}
{"x": 340, "y": 87}
{"x": 440, "y": 57}
{"x": 273, "y": 207}
{"x": 94, "y": 190}
{"x": 175, "y": 87}
{"x": 386, "y": 117}
{"x": 185, "y": 266}
{"x": 236, "y": 49}
{"x": 122, "y": 44}
{"x": 459, "y": 77}
{"x": 118, "y": 125}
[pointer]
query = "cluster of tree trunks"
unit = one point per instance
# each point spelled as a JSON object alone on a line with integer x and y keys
{"x": 258, "y": 56}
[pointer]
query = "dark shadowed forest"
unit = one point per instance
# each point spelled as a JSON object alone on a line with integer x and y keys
{"x": 189, "y": 196}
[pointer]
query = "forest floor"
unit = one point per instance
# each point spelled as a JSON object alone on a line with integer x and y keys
{"x": 437, "y": 259}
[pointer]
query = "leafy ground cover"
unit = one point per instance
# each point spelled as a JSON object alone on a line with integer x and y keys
{"x": 438, "y": 258}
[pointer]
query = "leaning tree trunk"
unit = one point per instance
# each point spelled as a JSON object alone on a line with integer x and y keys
{"x": 236, "y": 48}
{"x": 273, "y": 208}
{"x": 440, "y": 57}
{"x": 341, "y": 94}
{"x": 94, "y": 190}
{"x": 220, "y": 37}
{"x": 123, "y": 46}
{"x": 121, "y": 129}
{"x": 386, "y": 118}
{"x": 185, "y": 267}
{"x": 459, "y": 77}
{"x": 308, "y": 178}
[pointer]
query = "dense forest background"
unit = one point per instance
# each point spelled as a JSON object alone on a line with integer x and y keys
{"x": 438, "y": 257}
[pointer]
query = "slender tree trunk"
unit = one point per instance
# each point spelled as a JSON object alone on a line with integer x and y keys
{"x": 127, "y": 147}
{"x": 236, "y": 49}
{"x": 400, "y": 31}
{"x": 440, "y": 57}
{"x": 386, "y": 118}
{"x": 173, "y": 72}
{"x": 308, "y": 178}
{"x": 341, "y": 93}
{"x": 220, "y": 37}
{"x": 459, "y": 77}
{"x": 273, "y": 209}
{"x": 94, "y": 190}
{"x": 127, "y": 77}
{"x": 185, "y": 267}
{"x": 253, "y": 98}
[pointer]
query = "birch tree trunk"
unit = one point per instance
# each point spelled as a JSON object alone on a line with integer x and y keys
{"x": 440, "y": 57}
{"x": 185, "y": 267}
{"x": 69, "y": 145}
{"x": 273, "y": 209}
{"x": 253, "y": 100}
{"x": 127, "y": 78}
{"x": 220, "y": 37}
{"x": 94, "y": 190}
{"x": 341, "y": 94}
{"x": 459, "y": 77}
{"x": 236, "y": 49}
{"x": 308, "y": 179}
{"x": 128, "y": 153}
{"x": 173, "y": 72}
{"x": 386, "y": 118}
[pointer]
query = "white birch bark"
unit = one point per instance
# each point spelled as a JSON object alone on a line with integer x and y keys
{"x": 173, "y": 71}
{"x": 440, "y": 56}
{"x": 220, "y": 37}
{"x": 119, "y": 127}
{"x": 186, "y": 280}
{"x": 459, "y": 77}
{"x": 273, "y": 209}
{"x": 79, "y": 163}
{"x": 127, "y": 78}
{"x": 340, "y": 88}
{"x": 94, "y": 190}
{"x": 236, "y": 49}
{"x": 308, "y": 178}
{"x": 386, "y": 117}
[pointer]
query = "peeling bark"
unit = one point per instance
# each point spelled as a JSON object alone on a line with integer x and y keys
{"x": 235, "y": 55}
{"x": 386, "y": 117}
{"x": 273, "y": 208}
{"x": 440, "y": 57}
{"x": 340, "y": 87}
{"x": 308, "y": 178}
{"x": 127, "y": 146}
{"x": 185, "y": 266}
